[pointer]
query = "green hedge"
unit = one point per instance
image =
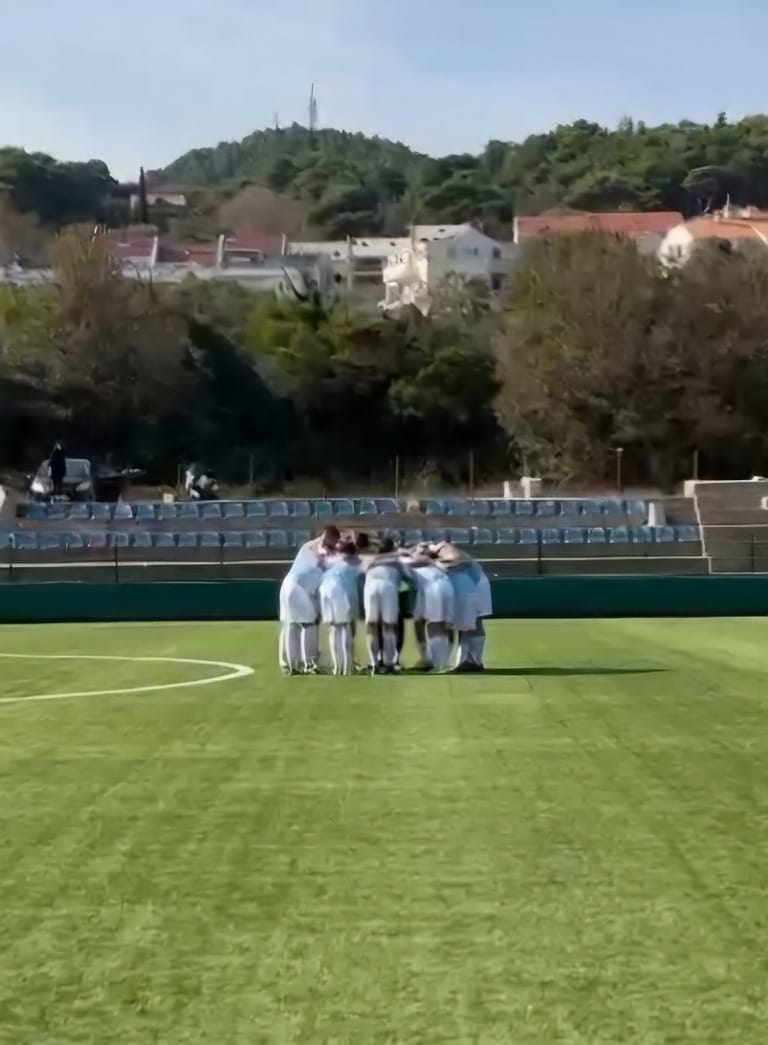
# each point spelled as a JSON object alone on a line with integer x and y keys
{"x": 525, "y": 597}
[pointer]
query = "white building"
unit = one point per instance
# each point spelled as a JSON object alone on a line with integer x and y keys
{"x": 433, "y": 253}
{"x": 735, "y": 226}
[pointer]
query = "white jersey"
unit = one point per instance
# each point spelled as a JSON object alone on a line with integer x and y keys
{"x": 382, "y": 590}
{"x": 299, "y": 598}
{"x": 339, "y": 592}
{"x": 435, "y": 602}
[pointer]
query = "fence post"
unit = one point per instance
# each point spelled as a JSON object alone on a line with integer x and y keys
{"x": 117, "y": 564}
{"x": 539, "y": 549}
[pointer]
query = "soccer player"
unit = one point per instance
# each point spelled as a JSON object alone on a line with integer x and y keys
{"x": 299, "y": 605}
{"x": 340, "y": 604}
{"x": 433, "y": 611}
{"x": 463, "y": 576}
{"x": 380, "y": 598}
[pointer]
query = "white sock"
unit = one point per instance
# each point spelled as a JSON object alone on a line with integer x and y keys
{"x": 437, "y": 646}
{"x": 390, "y": 647}
{"x": 333, "y": 646}
{"x": 282, "y": 646}
{"x": 477, "y": 648}
{"x": 293, "y": 646}
{"x": 372, "y": 641}
{"x": 312, "y": 643}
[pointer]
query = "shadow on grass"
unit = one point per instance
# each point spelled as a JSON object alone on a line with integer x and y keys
{"x": 569, "y": 672}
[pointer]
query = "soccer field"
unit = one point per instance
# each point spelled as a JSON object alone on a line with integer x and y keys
{"x": 570, "y": 848}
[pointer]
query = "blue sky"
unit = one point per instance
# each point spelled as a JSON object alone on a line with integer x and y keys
{"x": 140, "y": 83}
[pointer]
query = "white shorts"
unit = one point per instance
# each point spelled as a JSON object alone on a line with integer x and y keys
{"x": 380, "y": 599}
{"x": 465, "y": 600}
{"x": 435, "y": 602}
{"x": 297, "y": 606}
{"x": 484, "y": 597}
{"x": 335, "y": 604}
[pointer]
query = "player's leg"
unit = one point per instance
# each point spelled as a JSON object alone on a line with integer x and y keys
{"x": 373, "y": 621}
{"x": 334, "y": 633}
{"x": 390, "y": 613}
{"x": 437, "y": 645}
{"x": 293, "y": 648}
{"x": 420, "y": 632}
{"x": 345, "y": 643}
{"x": 477, "y": 645}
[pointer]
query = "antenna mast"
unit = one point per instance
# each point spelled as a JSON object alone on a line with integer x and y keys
{"x": 312, "y": 111}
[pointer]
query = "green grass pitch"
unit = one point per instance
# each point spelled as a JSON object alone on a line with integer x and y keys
{"x": 569, "y": 849}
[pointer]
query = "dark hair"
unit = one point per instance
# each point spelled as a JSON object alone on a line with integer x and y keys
{"x": 363, "y": 542}
{"x": 348, "y": 548}
{"x": 331, "y": 536}
{"x": 387, "y": 546}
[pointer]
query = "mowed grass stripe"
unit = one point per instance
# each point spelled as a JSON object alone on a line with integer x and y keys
{"x": 571, "y": 852}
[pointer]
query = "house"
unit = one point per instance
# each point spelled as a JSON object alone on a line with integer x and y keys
{"x": 646, "y": 229}
{"x": 433, "y": 253}
{"x": 159, "y": 202}
{"x": 735, "y": 226}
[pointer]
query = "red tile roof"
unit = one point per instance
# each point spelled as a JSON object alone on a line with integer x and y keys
{"x": 708, "y": 226}
{"x": 622, "y": 223}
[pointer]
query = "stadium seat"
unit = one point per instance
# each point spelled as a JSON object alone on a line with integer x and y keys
{"x": 73, "y": 542}
{"x": 122, "y": 513}
{"x": 641, "y": 535}
{"x": 49, "y": 542}
{"x": 596, "y": 535}
{"x": 144, "y": 513}
{"x": 297, "y": 538}
{"x": 343, "y": 506}
{"x": 255, "y": 510}
{"x": 570, "y": 508}
{"x": 300, "y": 509}
{"x": 101, "y": 512}
{"x": 546, "y": 509}
{"x": 523, "y": 508}
{"x": 322, "y": 509}
{"x": 574, "y": 535}
{"x": 167, "y": 512}
{"x": 500, "y": 509}
{"x": 79, "y": 512}
{"x": 618, "y": 535}
{"x": 277, "y": 509}
{"x": 412, "y": 536}
{"x": 636, "y": 509}
{"x": 209, "y": 539}
{"x": 688, "y": 534}
{"x": 366, "y": 507}
{"x": 255, "y": 539}
{"x": 233, "y": 510}
{"x": 189, "y": 510}
{"x": 163, "y": 540}
{"x": 141, "y": 539}
{"x": 210, "y": 510}
{"x": 609, "y": 506}
{"x": 480, "y": 535}
{"x": 277, "y": 539}
{"x": 37, "y": 512}
{"x": 187, "y": 540}
{"x": 456, "y": 507}
{"x": 434, "y": 536}
{"x": 480, "y": 508}
{"x": 57, "y": 511}
{"x": 460, "y": 537}
{"x": 506, "y": 535}
{"x": 118, "y": 540}
{"x": 664, "y": 535}
{"x": 387, "y": 506}
{"x": 5, "y": 541}
{"x": 527, "y": 536}
{"x": 24, "y": 541}
{"x": 232, "y": 539}
{"x": 96, "y": 541}
{"x": 551, "y": 536}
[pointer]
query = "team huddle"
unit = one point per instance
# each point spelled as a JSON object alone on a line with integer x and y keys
{"x": 341, "y": 580}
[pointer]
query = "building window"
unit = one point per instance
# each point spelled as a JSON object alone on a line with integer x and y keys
{"x": 497, "y": 282}
{"x": 497, "y": 253}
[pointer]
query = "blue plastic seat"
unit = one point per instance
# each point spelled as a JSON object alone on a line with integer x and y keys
{"x": 210, "y": 510}
{"x": 73, "y": 542}
{"x": 507, "y": 535}
{"x": 551, "y": 536}
{"x": 665, "y": 535}
{"x": 387, "y": 506}
{"x": 79, "y": 512}
{"x": 527, "y": 536}
{"x": 255, "y": 539}
{"x": 255, "y": 510}
{"x": 49, "y": 542}
{"x": 101, "y": 512}
{"x": 501, "y": 508}
{"x": 209, "y": 539}
{"x": 37, "y": 512}
{"x": 366, "y": 507}
{"x": 58, "y": 511}
{"x": 460, "y": 536}
{"x": 618, "y": 535}
{"x": 688, "y": 534}
{"x": 24, "y": 541}
{"x": 167, "y": 511}
{"x": 610, "y": 506}
{"x": 322, "y": 509}
{"x": 163, "y": 540}
{"x": 456, "y": 507}
{"x": 122, "y": 513}
{"x": 596, "y": 535}
{"x": 118, "y": 540}
{"x": 480, "y": 535}
{"x": 96, "y": 541}
{"x": 189, "y": 510}
{"x": 277, "y": 539}
{"x": 636, "y": 509}
{"x": 523, "y": 509}
{"x": 144, "y": 513}
{"x": 641, "y": 535}
{"x": 187, "y": 540}
{"x": 232, "y": 539}
{"x": 546, "y": 509}
{"x": 570, "y": 508}
{"x": 277, "y": 509}
{"x": 233, "y": 510}
{"x": 574, "y": 535}
{"x": 433, "y": 506}
{"x": 432, "y": 535}
{"x": 298, "y": 538}
{"x": 480, "y": 508}
{"x": 412, "y": 537}
{"x": 141, "y": 539}
{"x": 5, "y": 541}
{"x": 300, "y": 510}
{"x": 343, "y": 506}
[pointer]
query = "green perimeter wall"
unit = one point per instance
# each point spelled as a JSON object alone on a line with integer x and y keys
{"x": 525, "y": 597}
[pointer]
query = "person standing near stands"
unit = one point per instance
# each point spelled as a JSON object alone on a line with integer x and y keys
{"x": 58, "y": 466}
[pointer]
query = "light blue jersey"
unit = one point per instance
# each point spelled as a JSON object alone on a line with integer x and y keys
{"x": 346, "y": 573}
{"x": 305, "y": 565}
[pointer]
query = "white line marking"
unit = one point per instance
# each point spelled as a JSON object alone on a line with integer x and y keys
{"x": 233, "y": 671}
